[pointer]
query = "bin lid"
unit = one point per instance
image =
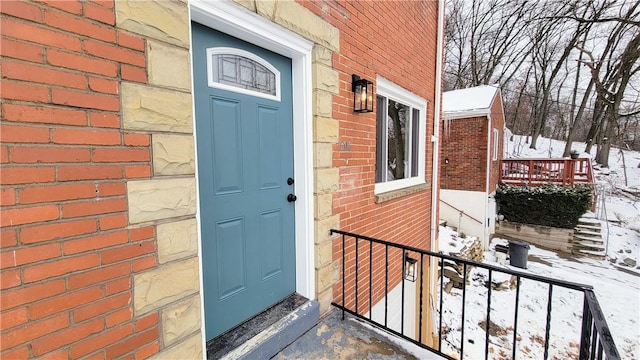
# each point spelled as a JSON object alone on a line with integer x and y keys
{"x": 519, "y": 243}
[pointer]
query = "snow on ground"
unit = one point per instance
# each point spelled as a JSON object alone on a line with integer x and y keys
{"x": 616, "y": 280}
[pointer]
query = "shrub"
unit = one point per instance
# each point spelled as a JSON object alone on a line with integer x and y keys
{"x": 547, "y": 205}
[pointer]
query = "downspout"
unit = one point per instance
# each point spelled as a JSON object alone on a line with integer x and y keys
{"x": 435, "y": 183}
{"x": 435, "y": 138}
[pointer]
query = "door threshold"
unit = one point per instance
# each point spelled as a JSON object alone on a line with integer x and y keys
{"x": 265, "y": 334}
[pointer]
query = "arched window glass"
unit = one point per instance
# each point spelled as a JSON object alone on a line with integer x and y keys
{"x": 241, "y": 71}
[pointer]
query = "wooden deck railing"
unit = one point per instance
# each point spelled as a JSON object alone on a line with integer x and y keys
{"x": 535, "y": 172}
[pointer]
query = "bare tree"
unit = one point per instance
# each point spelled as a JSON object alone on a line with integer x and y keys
{"x": 484, "y": 43}
{"x": 538, "y": 51}
{"x": 612, "y": 74}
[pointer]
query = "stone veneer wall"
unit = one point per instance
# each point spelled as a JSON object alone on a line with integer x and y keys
{"x": 163, "y": 108}
{"x": 544, "y": 236}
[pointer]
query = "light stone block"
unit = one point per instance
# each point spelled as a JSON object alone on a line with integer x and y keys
{"x": 326, "y": 129}
{"x": 326, "y": 276}
{"x": 249, "y": 4}
{"x": 266, "y": 8}
{"x": 324, "y": 254}
{"x": 323, "y": 155}
{"x": 190, "y": 348}
{"x": 181, "y": 320}
{"x": 168, "y": 65}
{"x": 327, "y": 180}
{"x": 165, "y": 284}
{"x": 325, "y": 78}
{"x": 153, "y": 109}
{"x": 159, "y": 19}
{"x": 323, "y": 206}
{"x": 161, "y": 199}
{"x": 303, "y": 21}
{"x": 177, "y": 240}
{"x": 173, "y": 154}
{"x": 322, "y": 55}
{"x": 323, "y": 226}
{"x": 325, "y": 298}
{"x": 323, "y": 103}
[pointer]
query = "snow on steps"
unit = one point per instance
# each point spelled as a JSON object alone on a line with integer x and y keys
{"x": 587, "y": 238}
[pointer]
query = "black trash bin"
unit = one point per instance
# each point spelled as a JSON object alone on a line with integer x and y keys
{"x": 518, "y": 253}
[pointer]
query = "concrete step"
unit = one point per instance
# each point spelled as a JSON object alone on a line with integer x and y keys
{"x": 589, "y": 238}
{"x": 588, "y": 242}
{"x": 579, "y": 231}
{"x": 271, "y": 340}
{"x": 598, "y": 255}
{"x": 589, "y": 215}
{"x": 588, "y": 221}
{"x": 586, "y": 246}
{"x": 589, "y": 227}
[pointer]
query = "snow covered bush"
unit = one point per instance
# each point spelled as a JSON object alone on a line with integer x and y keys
{"x": 546, "y": 205}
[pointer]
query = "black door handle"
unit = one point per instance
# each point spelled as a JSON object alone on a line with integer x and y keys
{"x": 290, "y": 181}
{"x": 291, "y": 198}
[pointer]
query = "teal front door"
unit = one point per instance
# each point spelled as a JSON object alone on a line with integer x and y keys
{"x": 244, "y": 132}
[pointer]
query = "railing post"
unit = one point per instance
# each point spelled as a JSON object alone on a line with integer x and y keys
{"x": 356, "y": 284}
{"x": 464, "y": 295}
{"x": 370, "y": 278}
{"x": 404, "y": 256}
{"x": 548, "y": 328}
{"x": 421, "y": 286}
{"x": 515, "y": 320}
{"x": 440, "y": 301}
{"x": 486, "y": 334}
{"x": 585, "y": 334}
{"x": 343, "y": 276}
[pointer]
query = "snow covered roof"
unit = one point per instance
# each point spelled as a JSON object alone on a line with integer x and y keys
{"x": 471, "y": 101}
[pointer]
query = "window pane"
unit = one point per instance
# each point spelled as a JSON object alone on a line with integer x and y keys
{"x": 380, "y": 139}
{"x": 397, "y": 156}
{"x": 415, "y": 123}
{"x": 244, "y": 73}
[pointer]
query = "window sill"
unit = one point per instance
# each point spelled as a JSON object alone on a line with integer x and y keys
{"x": 394, "y": 194}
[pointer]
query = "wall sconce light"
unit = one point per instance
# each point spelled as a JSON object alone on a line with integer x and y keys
{"x": 362, "y": 94}
{"x": 410, "y": 268}
{"x": 446, "y": 160}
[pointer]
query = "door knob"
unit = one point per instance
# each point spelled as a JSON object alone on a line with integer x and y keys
{"x": 291, "y": 198}
{"x": 290, "y": 181}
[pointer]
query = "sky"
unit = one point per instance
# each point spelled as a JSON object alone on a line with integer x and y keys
{"x": 616, "y": 284}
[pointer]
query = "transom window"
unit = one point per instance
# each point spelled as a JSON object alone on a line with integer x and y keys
{"x": 400, "y": 137}
{"x": 241, "y": 71}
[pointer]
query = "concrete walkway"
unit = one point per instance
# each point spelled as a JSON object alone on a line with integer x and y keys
{"x": 334, "y": 338}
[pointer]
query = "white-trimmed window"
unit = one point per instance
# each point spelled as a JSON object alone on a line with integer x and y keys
{"x": 400, "y": 137}
{"x": 496, "y": 133}
{"x": 243, "y": 72}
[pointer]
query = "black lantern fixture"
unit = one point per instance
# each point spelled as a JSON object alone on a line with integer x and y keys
{"x": 410, "y": 268}
{"x": 362, "y": 94}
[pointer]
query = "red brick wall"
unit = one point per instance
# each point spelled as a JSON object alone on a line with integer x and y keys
{"x": 497, "y": 122}
{"x": 396, "y": 40}
{"x": 68, "y": 256}
{"x": 464, "y": 144}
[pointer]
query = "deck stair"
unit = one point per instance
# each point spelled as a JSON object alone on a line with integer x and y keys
{"x": 587, "y": 238}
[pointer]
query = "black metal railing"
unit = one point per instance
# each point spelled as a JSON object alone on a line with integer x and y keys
{"x": 365, "y": 259}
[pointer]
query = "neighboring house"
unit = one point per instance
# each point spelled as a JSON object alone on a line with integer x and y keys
{"x": 471, "y": 151}
{"x": 172, "y": 168}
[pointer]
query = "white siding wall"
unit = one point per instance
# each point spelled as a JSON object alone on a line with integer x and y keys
{"x": 473, "y": 203}
{"x": 394, "y": 309}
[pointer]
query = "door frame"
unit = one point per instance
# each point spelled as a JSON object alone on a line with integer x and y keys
{"x": 233, "y": 19}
